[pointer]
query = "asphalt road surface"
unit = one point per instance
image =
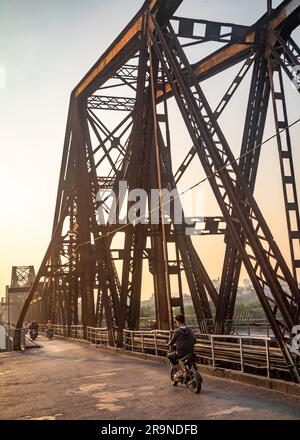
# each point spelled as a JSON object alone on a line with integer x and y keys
{"x": 67, "y": 380}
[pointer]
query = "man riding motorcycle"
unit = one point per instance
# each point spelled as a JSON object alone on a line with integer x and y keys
{"x": 49, "y": 329}
{"x": 33, "y": 330}
{"x": 184, "y": 340}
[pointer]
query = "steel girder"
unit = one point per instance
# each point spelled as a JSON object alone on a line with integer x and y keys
{"x": 138, "y": 176}
{"x": 203, "y": 30}
{"x": 80, "y": 263}
{"x": 22, "y": 276}
{"x": 199, "y": 283}
{"x": 252, "y": 138}
{"x": 230, "y": 92}
{"x": 286, "y": 164}
{"x": 96, "y": 102}
{"x": 283, "y": 54}
{"x": 287, "y": 54}
{"x": 265, "y": 266}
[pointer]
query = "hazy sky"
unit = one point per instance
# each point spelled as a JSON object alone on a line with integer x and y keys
{"x": 46, "y": 47}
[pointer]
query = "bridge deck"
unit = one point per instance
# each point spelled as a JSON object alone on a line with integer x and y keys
{"x": 67, "y": 380}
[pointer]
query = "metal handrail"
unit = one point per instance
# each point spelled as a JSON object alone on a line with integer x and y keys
{"x": 259, "y": 338}
{"x": 143, "y": 341}
{"x": 98, "y": 336}
{"x": 213, "y": 349}
{"x": 10, "y": 332}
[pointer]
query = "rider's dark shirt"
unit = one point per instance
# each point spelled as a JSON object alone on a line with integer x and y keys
{"x": 185, "y": 340}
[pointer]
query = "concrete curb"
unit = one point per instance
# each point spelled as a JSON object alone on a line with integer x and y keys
{"x": 279, "y": 386}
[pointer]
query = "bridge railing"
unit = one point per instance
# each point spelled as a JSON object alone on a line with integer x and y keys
{"x": 251, "y": 354}
{"x": 67, "y": 331}
{"x": 76, "y": 331}
{"x": 237, "y": 351}
{"x": 100, "y": 336}
{"x": 9, "y": 334}
{"x": 154, "y": 341}
{"x": 241, "y": 325}
{"x": 249, "y": 327}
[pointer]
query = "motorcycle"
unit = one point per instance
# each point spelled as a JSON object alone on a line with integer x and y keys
{"x": 49, "y": 333}
{"x": 33, "y": 334}
{"x": 187, "y": 373}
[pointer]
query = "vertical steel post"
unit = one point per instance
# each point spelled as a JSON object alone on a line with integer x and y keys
{"x": 155, "y": 343}
{"x": 269, "y": 6}
{"x": 142, "y": 339}
{"x": 213, "y": 350}
{"x": 241, "y": 355}
{"x": 268, "y": 357}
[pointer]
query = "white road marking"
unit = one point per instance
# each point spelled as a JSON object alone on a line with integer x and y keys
{"x": 230, "y": 411}
{"x": 44, "y": 417}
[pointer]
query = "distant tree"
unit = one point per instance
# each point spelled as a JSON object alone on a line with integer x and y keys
{"x": 147, "y": 311}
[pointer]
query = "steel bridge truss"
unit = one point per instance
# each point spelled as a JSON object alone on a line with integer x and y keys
{"x": 100, "y": 265}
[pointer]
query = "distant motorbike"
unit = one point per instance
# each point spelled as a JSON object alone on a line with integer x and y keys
{"x": 49, "y": 333}
{"x": 187, "y": 373}
{"x": 33, "y": 334}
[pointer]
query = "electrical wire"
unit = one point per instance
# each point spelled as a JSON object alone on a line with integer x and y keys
{"x": 200, "y": 182}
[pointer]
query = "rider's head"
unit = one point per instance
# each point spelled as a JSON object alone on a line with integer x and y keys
{"x": 180, "y": 319}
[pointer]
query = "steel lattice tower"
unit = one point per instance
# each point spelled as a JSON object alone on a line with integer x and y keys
{"x": 145, "y": 67}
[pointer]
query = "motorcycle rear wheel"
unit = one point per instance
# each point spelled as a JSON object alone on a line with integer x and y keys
{"x": 172, "y": 374}
{"x": 195, "y": 381}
